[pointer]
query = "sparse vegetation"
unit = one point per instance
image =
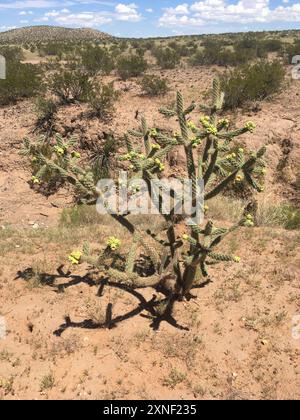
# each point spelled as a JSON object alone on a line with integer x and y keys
{"x": 175, "y": 377}
{"x": 153, "y": 85}
{"x": 131, "y": 66}
{"x": 22, "y": 81}
{"x": 47, "y": 382}
{"x": 46, "y": 110}
{"x": 70, "y": 86}
{"x": 83, "y": 294}
{"x": 225, "y": 168}
{"x": 167, "y": 58}
{"x": 102, "y": 99}
{"x": 97, "y": 60}
{"x": 254, "y": 83}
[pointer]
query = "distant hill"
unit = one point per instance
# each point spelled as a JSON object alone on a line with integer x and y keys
{"x": 32, "y": 34}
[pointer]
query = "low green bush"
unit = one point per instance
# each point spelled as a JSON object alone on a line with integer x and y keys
{"x": 292, "y": 51}
{"x": 102, "y": 99}
{"x": 167, "y": 58}
{"x": 70, "y": 86}
{"x": 97, "y": 60}
{"x": 153, "y": 85}
{"x": 252, "y": 83}
{"x": 46, "y": 110}
{"x": 132, "y": 65}
{"x": 12, "y": 53}
{"x": 22, "y": 81}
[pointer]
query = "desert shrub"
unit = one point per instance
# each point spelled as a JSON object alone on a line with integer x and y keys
{"x": 70, "y": 86}
{"x": 61, "y": 152}
{"x": 101, "y": 157}
{"x": 22, "y": 81}
{"x": 149, "y": 44}
{"x": 252, "y": 83}
{"x": 292, "y": 51}
{"x": 135, "y": 44}
{"x": 225, "y": 208}
{"x": 153, "y": 85}
{"x": 12, "y": 53}
{"x": 282, "y": 215}
{"x": 46, "y": 110}
{"x": 292, "y": 218}
{"x": 272, "y": 45}
{"x": 173, "y": 261}
{"x": 81, "y": 215}
{"x": 216, "y": 54}
{"x": 216, "y": 57}
{"x": 131, "y": 66}
{"x": 123, "y": 45}
{"x": 102, "y": 99}
{"x": 51, "y": 49}
{"x": 141, "y": 51}
{"x": 96, "y": 59}
{"x": 167, "y": 58}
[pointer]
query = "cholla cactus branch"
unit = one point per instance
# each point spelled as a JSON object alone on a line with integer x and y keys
{"x": 179, "y": 258}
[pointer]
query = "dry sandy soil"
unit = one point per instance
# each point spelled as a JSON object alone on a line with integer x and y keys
{"x": 234, "y": 342}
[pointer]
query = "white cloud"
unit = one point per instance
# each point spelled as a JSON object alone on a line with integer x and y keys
{"x": 42, "y": 19}
{"x": 222, "y": 11}
{"x": 149, "y": 10}
{"x": 25, "y": 13}
{"x": 85, "y": 19}
{"x": 122, "y": 12}
{"x": 48, "y": 4}
{"x": 6, "y": 28}
{"x": 32, "y": 4}
{"x": 127, "y": 12}
{"x": 54, "y": 13}
{"x": 181, "y": 9}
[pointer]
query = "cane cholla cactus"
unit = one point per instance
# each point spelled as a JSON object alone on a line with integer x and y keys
{"x": 59, "y": 160}
{"x": 177, "y": 261}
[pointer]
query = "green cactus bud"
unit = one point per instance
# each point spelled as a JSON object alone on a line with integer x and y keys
{"x": 191, "y": 125}
{"x": 35, "y": 180}
{"x": 59, "y": 150}
{"x": 155, "y": 146}
{"x": 250, "y": 126}
{"x": 76, "y": 155}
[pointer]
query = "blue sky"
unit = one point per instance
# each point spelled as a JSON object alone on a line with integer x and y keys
{"x": 146, "y": 18}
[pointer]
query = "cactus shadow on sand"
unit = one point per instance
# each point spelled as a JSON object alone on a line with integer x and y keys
{"x": 150, "y": 306}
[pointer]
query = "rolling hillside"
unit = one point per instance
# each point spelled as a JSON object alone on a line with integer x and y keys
{"x": 50, "y": 33}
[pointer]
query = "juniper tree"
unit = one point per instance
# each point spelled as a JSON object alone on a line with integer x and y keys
{"x": 178, "y": 261}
